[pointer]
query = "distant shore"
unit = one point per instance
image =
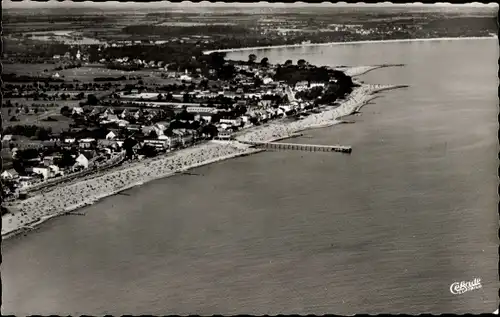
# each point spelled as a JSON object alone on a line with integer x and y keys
{"x": 347, "y": 43}
{"x": 61, "y": 200}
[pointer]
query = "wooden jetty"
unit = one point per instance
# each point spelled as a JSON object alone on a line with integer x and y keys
{"x": 303, "y": 147}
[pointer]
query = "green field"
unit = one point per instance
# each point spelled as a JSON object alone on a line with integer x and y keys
{"x": 86, "y": 73}
{"x": 28, "y": 69}
{"x": 38, "y": 119}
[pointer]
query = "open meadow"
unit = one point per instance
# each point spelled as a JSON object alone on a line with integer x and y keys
{"x": 45, "y": 69}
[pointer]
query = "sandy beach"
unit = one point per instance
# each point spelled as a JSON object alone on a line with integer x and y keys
{"x": 348, "y": 43}
{"x": 60, "y": 200}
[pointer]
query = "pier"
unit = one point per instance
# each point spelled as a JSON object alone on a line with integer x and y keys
{"x": 303, "y": 147}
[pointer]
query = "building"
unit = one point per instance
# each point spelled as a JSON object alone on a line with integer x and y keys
{"x": 159, "y": 144}
{"x": 54, "y": 170}
{"x": 77, "y": 110}
{"x": 134, "y": 127}
{"x": 9, "y": 174}
{"x": 81, "y": 160}
{"x": 48, "y": 160}
{"x": 265, "y": 103}
{"x": 86, "y": 143}
{"x": 312, "y": 85}
{"x": 231, "y": 122}
{"x": 201, "y": 109}
{"x": 110, "y": 136}
{"x": 301, "y": 85}
{"x": 44, "y": 171}
{"x": 267, "y": 80}
{"x": 224, "y": 135}
{"x": 206, "y": 116}
{"x": 185, "y": 77}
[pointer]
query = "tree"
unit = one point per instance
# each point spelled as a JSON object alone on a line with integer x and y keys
{"x": 80, "y": 96}
{"x": 252, "y": 58}
{"x": 26, "y": 109}
{"x": 264, "y": 62}
{"x": 301, "y": 62}
{"x": 43, "y": 134}
{"x": 9, "y": 111}
{"x": 35, "y": 110}
{"x": 153, "y": 134}
{"x": 148, "y": 150}
{"x": 211, "y": 130}
{"x": 160, "y": 97}
{"x": 66, "y": 160}
{"x": 28, "y": 154}
{"x": 288, "y": 62}
{"x": 254, "y": 120}
{"x": 92, "y": 100}
{"x": 128, "y": 145}
{"x": 65, "y": 111}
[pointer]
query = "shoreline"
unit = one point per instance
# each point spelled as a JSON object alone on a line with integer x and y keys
{"x": 63, "y": 200}
{"x": 229, "y": 50}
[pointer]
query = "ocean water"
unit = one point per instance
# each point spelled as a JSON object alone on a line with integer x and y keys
{"x": 388, "y": 228}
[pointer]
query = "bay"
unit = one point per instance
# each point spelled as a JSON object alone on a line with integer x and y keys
{"x": 386, "y": 229}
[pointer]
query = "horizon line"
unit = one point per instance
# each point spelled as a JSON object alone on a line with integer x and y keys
{"x": 52, "y": 4}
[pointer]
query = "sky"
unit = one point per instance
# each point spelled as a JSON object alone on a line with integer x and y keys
{"x": 6, "y": 4}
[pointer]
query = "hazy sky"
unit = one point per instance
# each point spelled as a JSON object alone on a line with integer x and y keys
{"x": 165, "y": 4}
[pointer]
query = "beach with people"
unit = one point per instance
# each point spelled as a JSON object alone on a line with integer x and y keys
{"x": 61, "y": 200}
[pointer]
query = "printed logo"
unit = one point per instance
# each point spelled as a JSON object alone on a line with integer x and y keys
{"x": 458, "y": 288}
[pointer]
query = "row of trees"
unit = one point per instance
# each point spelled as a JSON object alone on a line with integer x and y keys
{"x": 30, "y": 131}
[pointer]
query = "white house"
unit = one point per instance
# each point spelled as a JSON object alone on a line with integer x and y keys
{"x": 122, "y": 123}
{"x": 86, "y": 143}
{"x": 224, "y": 135}
{"x": 265, "y": 103}
{"x": 312, "y": 85}
{"x": 9, "y": 174}
{"x": 301, "y": 85}
{"x": 164, "y": 143}
{"x": 245, "y": 119}
{"x": 286, "y": 108}
{"x": 54, "y": 169}
{"x": 77, "y": 110}
{"x": 185, "y": 77}
{"x": 110, "y": 136}
{"x": 201, "y": 109}
{"x": 81, "y": 160}
{"x": 267, "y": 80}
{"x": 124, "y": 113}
{"x": 231, "y": 122}
{"x": 44, "y": 171}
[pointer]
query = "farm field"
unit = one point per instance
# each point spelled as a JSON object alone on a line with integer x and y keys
{"x": 29, "y": 69}
{"x": 38, "y": 119}
{"x": 89, "y": 73}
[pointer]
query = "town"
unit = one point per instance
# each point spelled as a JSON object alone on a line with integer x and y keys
{"x": 60, "y": 129}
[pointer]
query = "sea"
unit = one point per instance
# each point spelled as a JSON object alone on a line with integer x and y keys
{"x": 386, "y": 229}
